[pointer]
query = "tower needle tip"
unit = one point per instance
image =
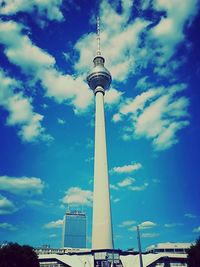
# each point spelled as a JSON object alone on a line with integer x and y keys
{"x": 98, "y": 36}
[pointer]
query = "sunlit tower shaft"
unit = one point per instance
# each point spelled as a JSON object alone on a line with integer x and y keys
{"x": 99, "y": 80}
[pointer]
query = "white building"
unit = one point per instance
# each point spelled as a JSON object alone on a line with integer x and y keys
{"x": 106, "y": 258}
{"x": 169, "y": 248}
{"x": 155, "y": 260}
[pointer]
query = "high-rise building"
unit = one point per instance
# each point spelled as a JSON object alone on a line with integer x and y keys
{"x": 99, "y": 80}
{"x": 74, "y": 229}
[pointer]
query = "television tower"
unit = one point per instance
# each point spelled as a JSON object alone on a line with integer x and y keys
{"x": 99, "y": 80}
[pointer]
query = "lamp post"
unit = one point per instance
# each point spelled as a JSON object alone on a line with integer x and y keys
{"x": 139, "y": 246}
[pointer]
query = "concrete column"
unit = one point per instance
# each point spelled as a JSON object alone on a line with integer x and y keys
{"x": 102, "y": 237}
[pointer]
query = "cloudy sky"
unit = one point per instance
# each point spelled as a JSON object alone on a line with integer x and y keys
{"x": 47, "y": 112}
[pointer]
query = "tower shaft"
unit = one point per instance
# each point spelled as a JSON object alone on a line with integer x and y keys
{"x": 102, "y": 237}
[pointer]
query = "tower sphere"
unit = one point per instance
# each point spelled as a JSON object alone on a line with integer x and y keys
{"x": 99, "y": 76}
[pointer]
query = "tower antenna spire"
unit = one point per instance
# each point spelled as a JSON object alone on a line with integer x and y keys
{"x": 98, "y": 37}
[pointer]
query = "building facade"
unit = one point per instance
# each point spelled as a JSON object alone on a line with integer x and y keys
{"x": 169, "y": 248}
{"x": 74, "y": 229}
{"x": 108, "y": 258}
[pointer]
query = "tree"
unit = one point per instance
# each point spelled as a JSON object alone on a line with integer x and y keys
{"x": 194, "y": 254}
{"x": 14, "y": 255}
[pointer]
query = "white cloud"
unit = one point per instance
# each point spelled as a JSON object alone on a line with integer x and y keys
{"x": 124, "y": 54}
{"x": 49, "y": 9}
{"x": 126, "y": 182}
{"x": 121, "y": 42}
{"x": 44, "y": 106}
{"x": 127, "y": 223}
{"x": 114, "y": 187}
{"x": 33, "y": 130}
{"x": 116, "y": 117}
{"x": 20, "y": 110}
{"x": 158, "y": 121}
{"x": 127, "y": 168}
{"x": 90, "y": 143}
{"x": 147, "y": 225}
{"x": 37, "y": 63}
{"x": 126, "y": 137}
{"x": 169, "y": 68}
{"x": 89, "y": 159}
{"x": 169, "y": 32}
{"x": 7, "y": 87}
{"x": 157, "y": 114}
{"x": 6, "y": 206}
{"x": 190, "y": 215}
{"x": 34, "y": 202}
{"x": 54, "y": 224}
{"x": 115, "y": 200}
{"x": 120, "y": 39}
{"x": 167, "y": 138}
{"x": 172, "y": 225}
{"x": 27, "y": 186}
{"x": 7, "y": 226}
{"x": 22, "y": 114}
{"x": 196, "y": 230}
{"x": 145, "y": 4}
{"x": 132, "y": 228}
{"x": 61, "y": 121}
{"x": 139, "y": 188}
{"x": 21, "y": 51}
{"x": 142, "y": 83}
{"x": 149, "y": 235}
{"x": 143, "y": 226}
{"x": 137, "y": 104}
{"x": 156, "y": 181}
{"x": 112, "y": 96}
{"x": 77, "y": 196}
{"x": 67, "y": 88}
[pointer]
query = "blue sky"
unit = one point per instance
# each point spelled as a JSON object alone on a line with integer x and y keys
{"x": 152, "y": 117}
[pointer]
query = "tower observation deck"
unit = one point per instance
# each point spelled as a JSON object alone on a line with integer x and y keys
{"x": 99, "y": 81}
